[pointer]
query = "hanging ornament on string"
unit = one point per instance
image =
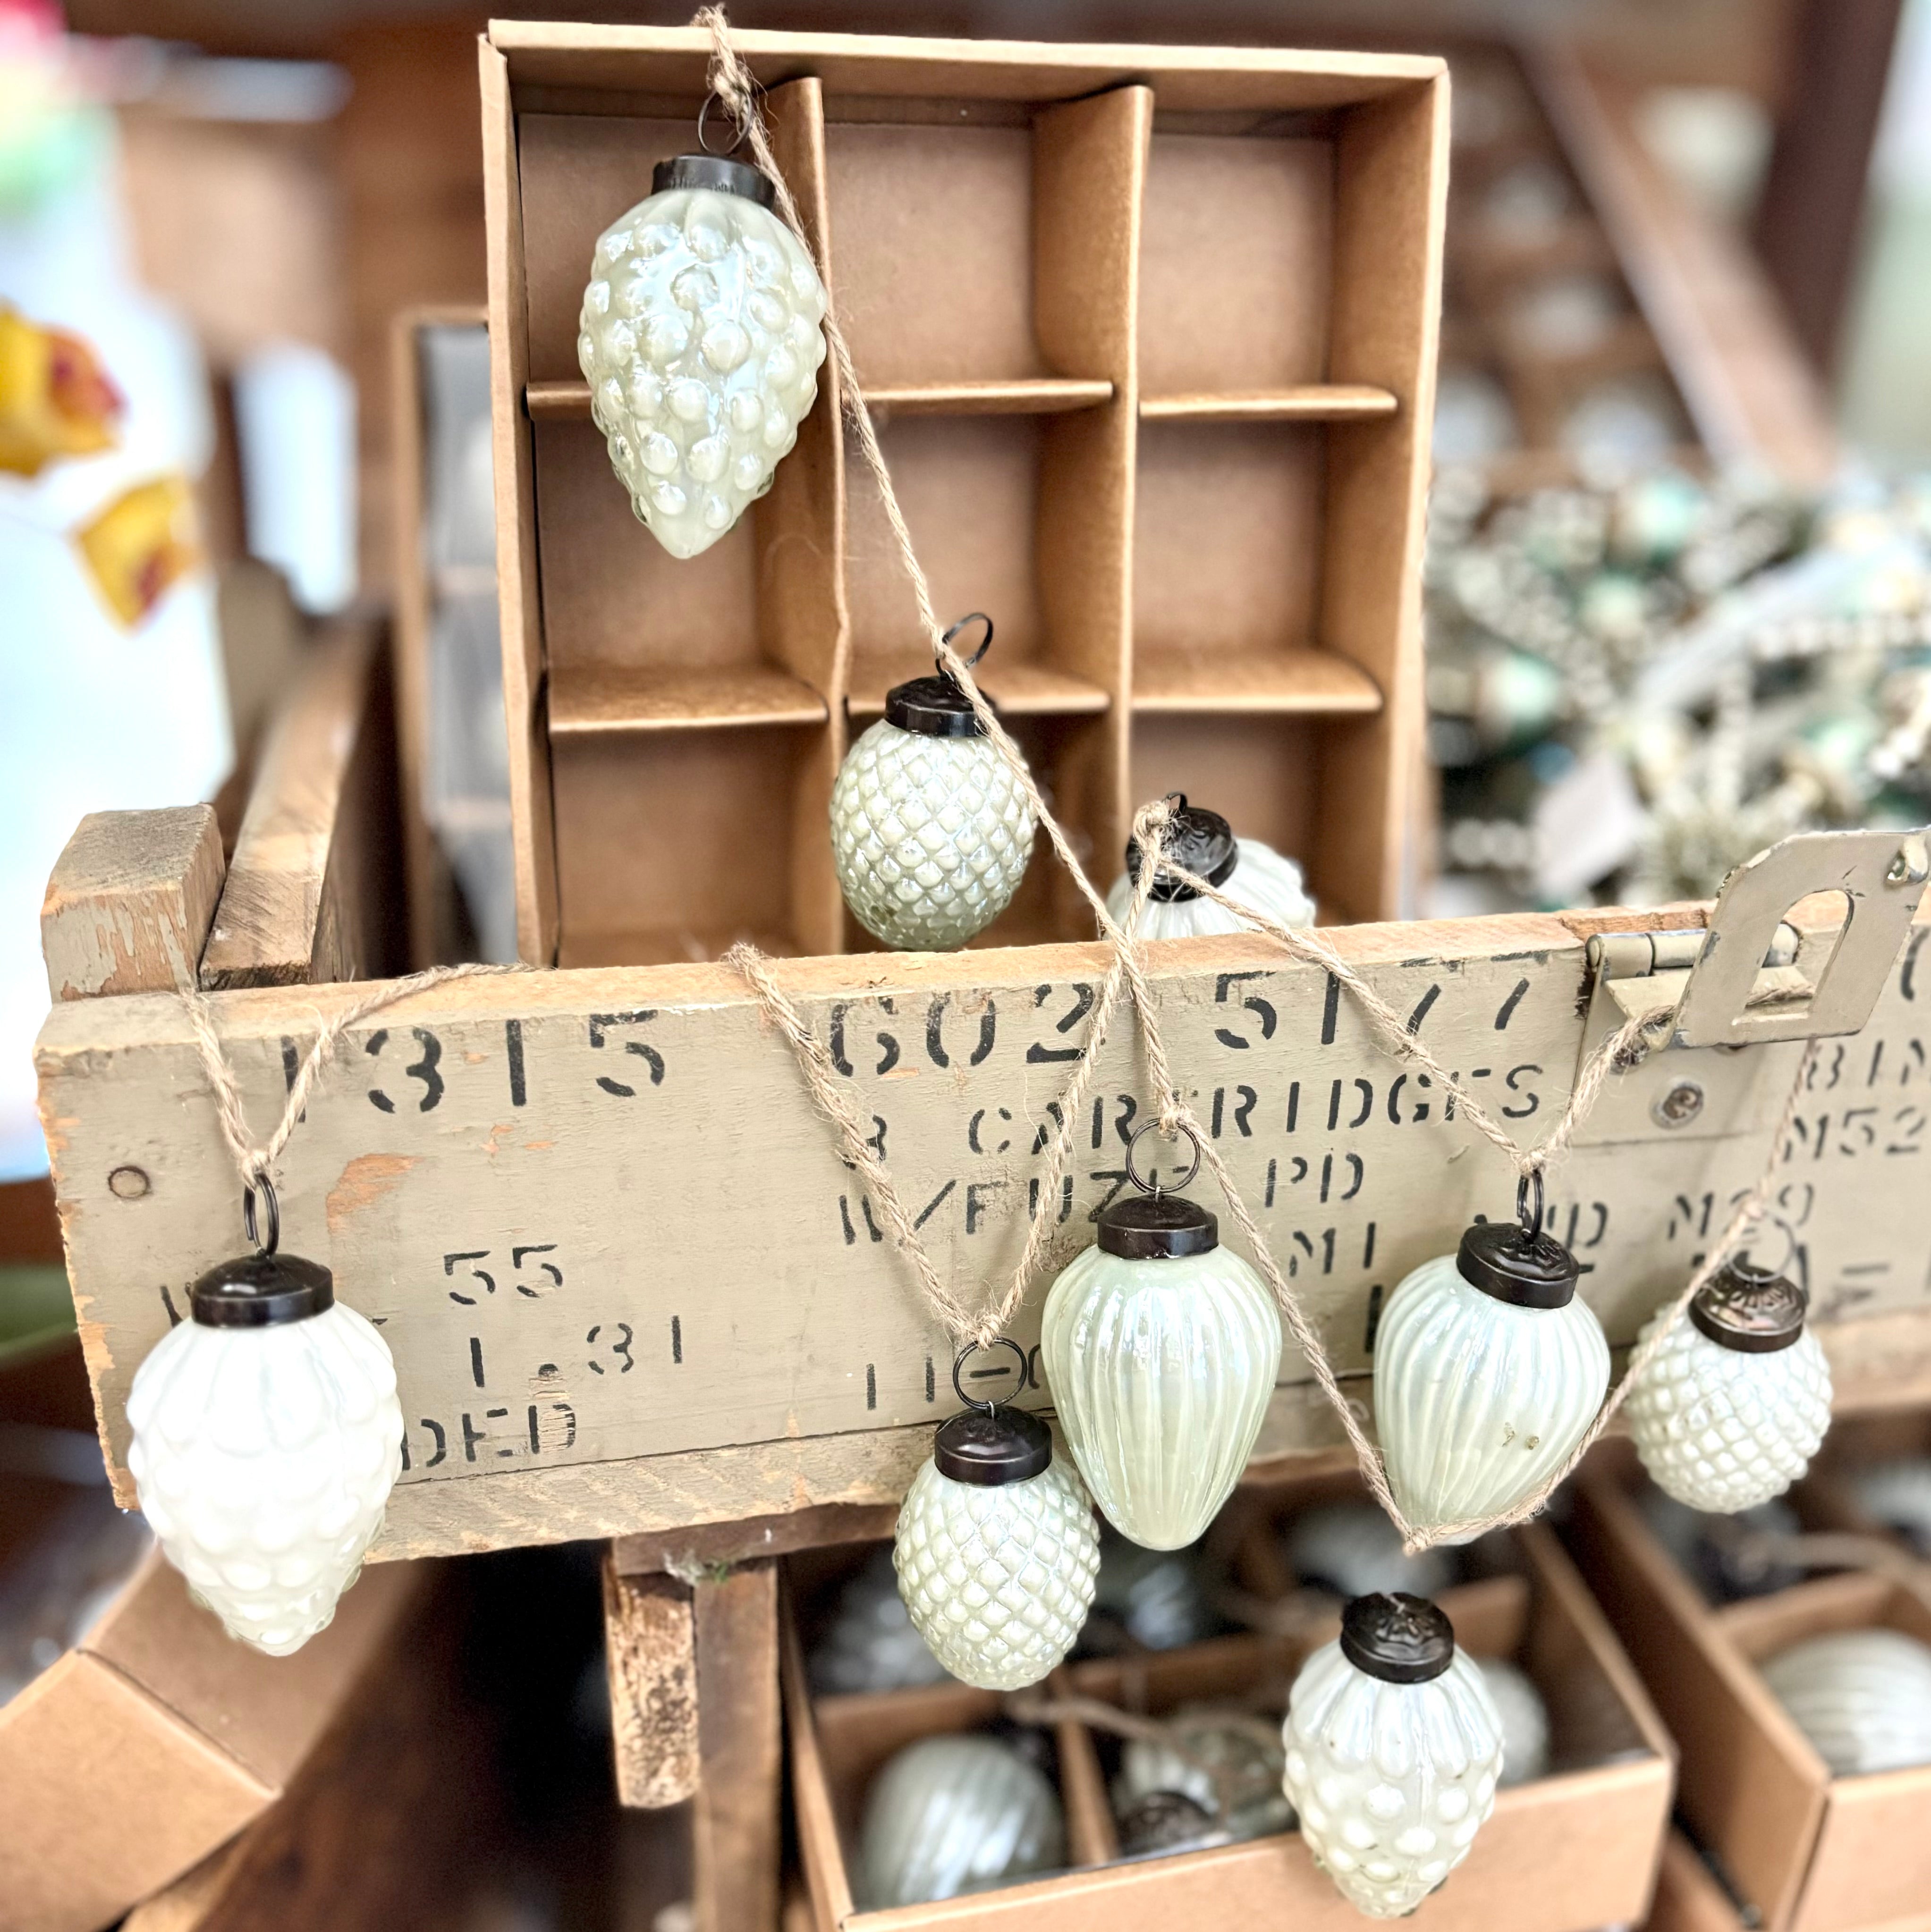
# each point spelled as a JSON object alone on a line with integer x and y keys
{"x": 1487, "y": 1371}
{"x": 1734, "y": 1403}
{"x": 701, "y": 338}
{"x": 931, "y": 829}
{"x": 1244, "y": 869}
{"x": 1394, "y": 1750}
{"x": 995, "y": 1549}
{"x": 267, "y": 1437}
{"x": 1161, "y": 1348}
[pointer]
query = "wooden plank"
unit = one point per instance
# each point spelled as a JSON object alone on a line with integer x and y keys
{"x": 1312, "y": 402}
{"x": 735, "y": 1826}
{"x": 128, "y": 908}
{"x": 650, "y": 1656}
{"x": 1283, "y": 681}
{"x": 1039, "y": 395}
{"x": 589, "y": 698}
{"x": 682, "y": 1552}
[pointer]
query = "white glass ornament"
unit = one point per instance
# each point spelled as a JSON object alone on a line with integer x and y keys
{"x": 1394, "y": 1748}
{"x": 1147, "y": 1599}
{"x": 995, "y": 1548}
{"x": 267, "y": 1437}
{"x": 931, "y": 829}
{"x": 1487, "y": 1372}
{"x": 955, "y": 1814}
{"x": 700, "y": 338}
{"x": 1161, "y": 1347}
{"x": 870, "y": 1643}
{"x": 1351, "y": 1549}
{"x": 1245, "y": 1798}
{"x": 1863, "y": 1697}
{"x": 1734, "y": 1405}
{"x": 1898, "y": 1495}
{"x": 1244, "y": 869}
{"x": 1525, "y": 1721}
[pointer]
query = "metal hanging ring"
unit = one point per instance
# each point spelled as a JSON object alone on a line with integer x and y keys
{"x": 274, "y": 1241}
{"x": 704, "y": 114}
{"x": 976, "y": 617}
{"x": 1532, "y": 1178}
{"x": 1154, "y": 1187}
{"x": 966, "y": 1354}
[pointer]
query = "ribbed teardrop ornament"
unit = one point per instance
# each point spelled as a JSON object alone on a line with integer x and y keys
{"x": 1863, "y": 1697}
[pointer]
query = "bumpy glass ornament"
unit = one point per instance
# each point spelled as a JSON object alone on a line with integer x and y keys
{"x": 1525, "y": 1721}
{"x": 1734, "y": 1405}
{"x": 955, "y": 1814}
{"x": 1161, "y": 1347}
{"x": 931, "y": 830}
{"x": 1244, "y": 869}
{"x": 1863, "y": 1697}
{"x": 267, "y": 1437}
{"x": 996, "y": 1549}
{"x": 1487, "y": 1372}
{"x": 700, "y": 339}
{"x": 1394, "y": 1748}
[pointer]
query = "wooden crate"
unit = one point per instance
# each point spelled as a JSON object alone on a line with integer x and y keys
{"x": 1150, "y": 335}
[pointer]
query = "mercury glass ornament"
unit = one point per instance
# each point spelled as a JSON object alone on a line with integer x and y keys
{"x": 1898, "y": 1495}
{"x": 1161, "y": 1347}
{"x": 1525, "y": 1721}
{"x": 1734, "y": 1405}
{"x": 267, "y": 1437}
{"x": 700, "y": 338}
{"x": 931, "y": 829}
{"x": 1351, "y": 1549}
{"x": 1147, "y": 1599}
{"x": 996, "y": 1550}
{"x": 869, "y": 1642}
{"x": 1246, "y": 1798}
{"x": 1394, "y": 1747}
{"x": 1863, "y": 1697}
{"x": 1158, "y": 1823}
{"x": 1244, "y": 869}
{"x": 1487, "y": 1371}
{"x": 956, "y": 1814}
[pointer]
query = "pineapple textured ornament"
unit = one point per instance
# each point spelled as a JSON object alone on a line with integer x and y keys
{"x": 1487, "y": 1372}
{"x": 931, "y": 829}
{"x": 701, "y": 338}
{"x": 1734, "y": 1405}
{"x": 996, "y": 1550}
{"x": 267, "y": 1437}
{"x": 1161, "y": 1348}
{"x": 1394, "y": 1750}
{"x": 1244, "y": 869}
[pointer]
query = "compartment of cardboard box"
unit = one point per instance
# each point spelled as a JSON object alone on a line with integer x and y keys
{"x": 1807, "y": 1852}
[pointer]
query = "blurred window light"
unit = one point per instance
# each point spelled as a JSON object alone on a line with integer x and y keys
{"x": 295, "y": 420}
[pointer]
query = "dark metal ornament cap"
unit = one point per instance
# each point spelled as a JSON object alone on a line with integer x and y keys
{"x": 934, "y": 707}
{"x": 1163, "y": 1821}
{"x": 261, "y": 1291}
{"x": 1503, "y": 1258}
{"x": 1007, "y": 1445}
{"x": 718, "y": 173}
{"x": 1157, "y": 1228}
{"x": 1201, "y": 840}
{"x": 1756, "y": 1311}
{"x": 1398, "y": 1638}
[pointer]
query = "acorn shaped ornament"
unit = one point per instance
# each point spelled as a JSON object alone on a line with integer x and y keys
{"x": 700, "y": 339}
{"x": 267, "y": 1437}
{"x": 931, "y": 829}
{"x": 1734, "y": 1405}
{"x": 1394, "y": 1751}
{"x": 1488, "y": 1372}
{"x": 1161, "y": 1347}
{"x": 996, "y": 1550}
{"x": 1244, "y": 869}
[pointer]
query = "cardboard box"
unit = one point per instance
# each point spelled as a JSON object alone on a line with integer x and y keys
{"x": 1576, "y": 1849}
{"x": 1810, "y": 1852}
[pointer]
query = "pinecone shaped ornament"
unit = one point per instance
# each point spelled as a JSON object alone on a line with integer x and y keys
{"x": 1244, "y": 869}
{"x": 1161, "y": 1347}
{"x": 1394, "y": 1751}
{"x": 1734, "y": 1405}
{"x": 267, "y": 1437}
{"x": 701, "y": 338}
{"x": 996, "y": 1550}
{"x": 1487, "y": 1372}
{"x": 931, "y": 829}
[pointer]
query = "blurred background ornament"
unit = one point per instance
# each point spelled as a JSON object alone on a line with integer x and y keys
{"x": 1863, "y": 1697}
{"x": 1147, "y": 1599}
{"x": 1229, "y": 1763}
{"x": 1525, "y": 1721}
{"x": 869, "y": 1642}
{"x": 1897, "y": 1493}
{"x": 1351, "y": 1549}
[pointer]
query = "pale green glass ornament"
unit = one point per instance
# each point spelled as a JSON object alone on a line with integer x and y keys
{"x": 1244, "y": 869}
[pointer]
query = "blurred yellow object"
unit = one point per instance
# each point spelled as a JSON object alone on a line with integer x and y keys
{"x": 55, "y": 400}
{"x": 142, "y": 544}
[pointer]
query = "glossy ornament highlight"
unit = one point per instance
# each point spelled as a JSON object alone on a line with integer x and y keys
{"x": 1394, "y": 1750}
{"x": 1863, "y": 1697}
{"x": 700, "y": 339}
{"x": 1243, "y": 869}
{"x": 1161, "y": 1348}
{"x": 267, "y": 1437}
{"x": 1735, "y": 1403}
